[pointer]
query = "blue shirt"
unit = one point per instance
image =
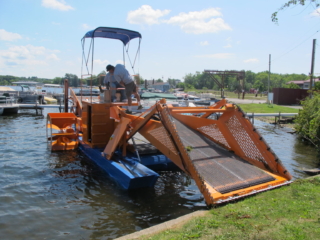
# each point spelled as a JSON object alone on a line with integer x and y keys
{"x": 122, "y": 74}
{"x": 109, "y": 78}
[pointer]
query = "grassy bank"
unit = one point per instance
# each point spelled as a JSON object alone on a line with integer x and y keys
{"x": 289, "y": 212}
{"x": 217, "y": 94}
{"x": 266, "y": 108}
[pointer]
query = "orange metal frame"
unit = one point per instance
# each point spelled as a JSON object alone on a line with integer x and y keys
{"x": 66, "y": 138}
{"x": 110, "y": 127}
{"x": 231, "y": 125}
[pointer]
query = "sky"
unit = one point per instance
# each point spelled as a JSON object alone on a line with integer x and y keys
{"x": 43, "y": 37}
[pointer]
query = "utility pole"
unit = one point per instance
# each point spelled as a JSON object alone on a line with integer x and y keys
{"x": 312, "y": 63}
{"x": 269, "y": 73}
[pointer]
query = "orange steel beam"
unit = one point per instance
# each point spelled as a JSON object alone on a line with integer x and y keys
{"x": 220, "y": 198}
{"x": 186, "y": 161}
{"x": 268, "y": 160}
{"x": 217, "y": 105}
{"x": 76, "y": 102}
{"x": 236, "y": 131}
{"x": 273, "y": 162}
{"x": 138, "y": 122}
{"x": 198, "y": 110}
{"x": 116, "y": 138}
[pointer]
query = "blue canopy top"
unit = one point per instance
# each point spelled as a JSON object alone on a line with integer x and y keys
{"x": 123, "y": 35}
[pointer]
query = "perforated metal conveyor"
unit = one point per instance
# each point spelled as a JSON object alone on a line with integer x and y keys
{"x": 218, "y": 167}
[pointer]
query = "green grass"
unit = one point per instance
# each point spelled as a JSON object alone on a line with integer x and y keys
{"x": 289, "y": 212}
{"x": 217, "y": 94}
{"x": 266, "y": 108}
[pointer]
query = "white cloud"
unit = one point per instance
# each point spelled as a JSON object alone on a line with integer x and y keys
{"x": 200, "y": 21}
{"x": 251, "y": 60}
{"x": 8, "y": 36}
{"x": 229, "y": 40}
{"x": 316, "y": 13}
{"x": 101, "y": 62}
{"x": 85, "y": 26}
{"x": 146, "y": 15}
{"x": 27, "y": 55}
{"x": 70, "y": 63}
{"x": 53, "y": 57}
{"x": 55, "y": 23}
{"x": 119, "y": 62}
{"x": 217, "y": 55}
{"x": 56, "y": 4}
{"x": 204, "y": 43}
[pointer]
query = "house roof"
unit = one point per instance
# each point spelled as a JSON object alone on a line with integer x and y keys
{"x": 160, "y": 83}
{"x": 296, "y": 82}
{"x": 303, "y": 81}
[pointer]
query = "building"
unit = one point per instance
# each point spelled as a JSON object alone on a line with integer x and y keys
{"x": 156, "y": 86}
{"x": 303, "y": 84}
{"x": 161, "y": 86}
{"x": 28, "y": 83}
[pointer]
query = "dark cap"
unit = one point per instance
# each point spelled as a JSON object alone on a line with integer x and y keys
{"x": 109, "y": 67}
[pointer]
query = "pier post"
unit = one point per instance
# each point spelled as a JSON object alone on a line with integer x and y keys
{"x": 66, "y": 92}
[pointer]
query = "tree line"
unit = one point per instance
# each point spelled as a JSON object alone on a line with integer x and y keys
{"x": 198, "y": 80}
{"x": 259, "y": 81}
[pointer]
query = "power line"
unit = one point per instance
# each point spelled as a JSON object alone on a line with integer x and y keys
{"x": 296, "y": 46}
{"x": 277, "y": 58}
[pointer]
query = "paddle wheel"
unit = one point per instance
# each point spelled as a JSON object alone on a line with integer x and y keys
{"x": 61, "y": 133}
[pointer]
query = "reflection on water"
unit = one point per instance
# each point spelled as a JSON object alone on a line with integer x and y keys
{"x": 62, "y": 195}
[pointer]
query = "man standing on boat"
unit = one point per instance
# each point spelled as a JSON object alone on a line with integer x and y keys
{"x": 122, "y": 76}
{"x": 110, "y": 81}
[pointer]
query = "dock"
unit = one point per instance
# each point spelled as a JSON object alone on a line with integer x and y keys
{"x": 14, "y": 107}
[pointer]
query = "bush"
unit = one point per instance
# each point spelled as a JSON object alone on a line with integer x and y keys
{"x": 308, "y": 120}
{"x": 292, "y": 85}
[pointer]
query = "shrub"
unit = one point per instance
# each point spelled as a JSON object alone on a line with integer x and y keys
{"x": 308, "y": 120}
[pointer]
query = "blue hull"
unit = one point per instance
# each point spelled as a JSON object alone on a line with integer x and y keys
{"x": 128, "y": 172}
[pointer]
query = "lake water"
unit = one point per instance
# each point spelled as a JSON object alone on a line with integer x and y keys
{"x": 61, "y": 195}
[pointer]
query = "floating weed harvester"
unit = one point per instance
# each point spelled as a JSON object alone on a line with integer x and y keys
{"x": 217, "y": 145}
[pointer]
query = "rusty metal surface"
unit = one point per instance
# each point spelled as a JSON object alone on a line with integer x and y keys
{"x": 220, "y": 168}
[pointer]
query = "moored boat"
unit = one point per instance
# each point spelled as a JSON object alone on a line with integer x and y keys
{"x": 50, "y": 100}
{"x": 226, "y": 156}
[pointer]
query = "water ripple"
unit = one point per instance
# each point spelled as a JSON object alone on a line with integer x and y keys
{"x": 59, "y": 195}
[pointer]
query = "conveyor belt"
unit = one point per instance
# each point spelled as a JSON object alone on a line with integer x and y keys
{"x": 224, "y": 171}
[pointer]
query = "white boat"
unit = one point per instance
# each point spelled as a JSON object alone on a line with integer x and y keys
{"x": 50, "y": 100}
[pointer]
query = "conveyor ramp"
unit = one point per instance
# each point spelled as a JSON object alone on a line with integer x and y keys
{"x": 224, "y": 171}
{"x": 224, "y": 154}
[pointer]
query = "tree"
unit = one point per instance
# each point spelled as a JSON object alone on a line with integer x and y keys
{"x": 181, "y": 85}
{"x": 314, "y": 3}
{"x": 308, "y": 120}
{"x": 258, "y": 85}
{"x": 73, "y": 79}
{"x": 172, "y": 82}
{"x": 58, "y": 80}
{"x": 317, "y": 86}
{"x": 138, "y": 79}
{"x": 292, "y": 85}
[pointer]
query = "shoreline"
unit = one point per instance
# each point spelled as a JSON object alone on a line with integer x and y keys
{"x": 200, "y": 217}
{"x": 271, "y": 120}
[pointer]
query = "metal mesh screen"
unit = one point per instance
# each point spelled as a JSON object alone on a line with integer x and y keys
{"x": 243, "y": 139}
{"x": 220, "y": 168}
{"x": 161, "y": 135}
{"x": 214, "y": 132}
